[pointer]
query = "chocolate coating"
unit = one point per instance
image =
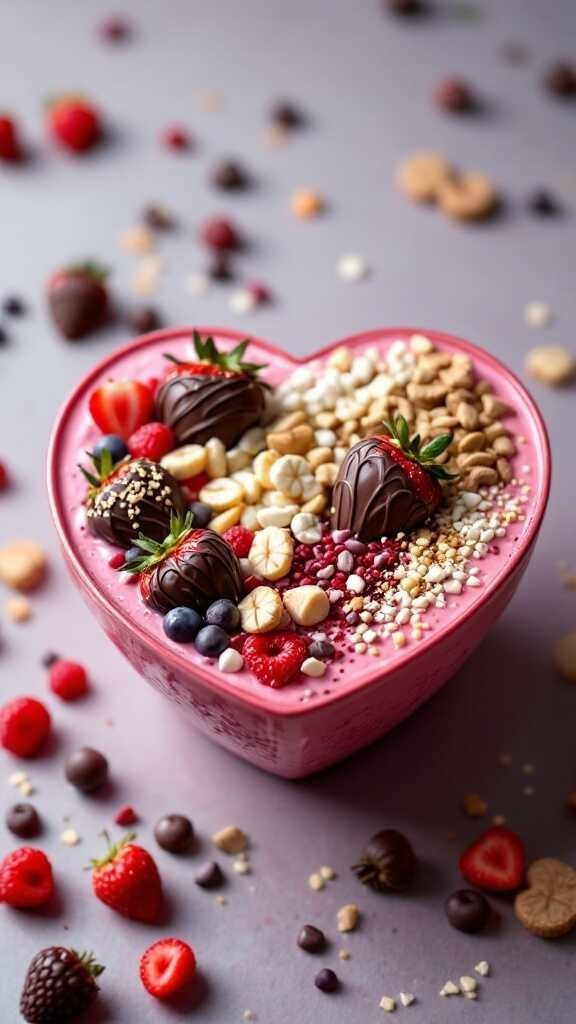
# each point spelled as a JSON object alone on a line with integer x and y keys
{"x": 199, "y": 407}
{"x": 201, "y": 569}
{"x": 467, "y": 910}
{"x": 389, "y": 861}
{"x": 174, "y": 833}
{"x": 326, "y": 980}
{"x": 209, "y": 876}
{"x": 140, "y": 497}
{"x": 372, "y": 496}
{"x": 87, "y": 769}
{"x": 23, "y": 821}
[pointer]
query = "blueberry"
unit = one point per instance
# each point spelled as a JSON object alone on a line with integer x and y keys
{"x": 223, "y": 613}
{"x": 113, "y": 444}
{"x": 322, "y": 649}
{"x": 131, "y": 554}
{"x": 211, "y": 641}
{"x": 181, "y": 624}
{"x": 202, "y": 514}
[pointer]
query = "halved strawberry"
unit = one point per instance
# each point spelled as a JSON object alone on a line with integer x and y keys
{"x": 275, "y": 658}
{"x": 166, "y": 966}
{"x": 495, "y": 861}
{"x": 121, "y": 406}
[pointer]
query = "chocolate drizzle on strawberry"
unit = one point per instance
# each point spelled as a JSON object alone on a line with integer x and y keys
{"x": 136, "y": 496}
{"x": 219, "y": 395}
{"x": 190, "y": 568}
{"x": 388, "y": 483}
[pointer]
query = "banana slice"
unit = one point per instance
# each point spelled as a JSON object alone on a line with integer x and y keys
{"x": 272, "y": 552}
{"x": 261, "y": 610}
{"x": 185, "y": 462}
{"x": 250, "y": 485}
{"x": 221, "y": 494}
{"x": 262, "y": 465}
{"x": 216, "y": 462}
{"x": 291, "y": 475}
{"x": 224, "y": 520}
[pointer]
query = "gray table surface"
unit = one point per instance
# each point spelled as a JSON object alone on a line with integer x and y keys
{"x": 365, "y": 80}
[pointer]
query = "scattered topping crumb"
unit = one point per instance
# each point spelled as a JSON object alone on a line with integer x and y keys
{"x": 19, "y": 609}
{"x": 387, "y": 1003}
{"x": 551, "y": 364}
{"x": 351, "y": 268}
{"x": 565, "y": 657}
{"x": 468, "y": 984}
{"x": 407, "y": 998}
{"x": 482, "y": 968}
{"x": 347, "y": 917}
{"x": 449, "y": 989}
{"x": 327, "y": 872}
{"x": 69, "y": 837}
{"x": 316, "y": 882}
{"x": 230, "y": 839}
{"x": 474, "y": 806}
{"x": 344, "y": 954}
{"x": 538, "y": 314}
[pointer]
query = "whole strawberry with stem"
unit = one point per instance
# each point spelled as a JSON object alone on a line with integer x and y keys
{"x": 78, "y": 299}
{"x": 133, "y": 497}
{"x": 74, "y": 123}
{"x": 389, "y": 482}
{"x": 126, "y": 878}
{"x": 59, "y": 986}
{"x": 216, "y": 395}
{"x": 10, "y": 147}
{"x": 190, "y": 568}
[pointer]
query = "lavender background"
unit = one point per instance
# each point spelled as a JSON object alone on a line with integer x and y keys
{"x": 365, "y": 79}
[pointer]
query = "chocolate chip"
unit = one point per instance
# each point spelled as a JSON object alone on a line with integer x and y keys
{"x": 209, "y": 876}
{"x": 87, "y": 769}
{"x": 326, "y": 980}
{"x": 543, "y": 204}
{"x": 286, "y": 115}
{"x": 230, "y": 176}
{"x": 454, "y": 96}
{"x": 561, "y": 80}
{"x": 467, "y": 910}
{"x": 3, "y": 336}
{"x": 388, "y": 862}
{"x": 13, "y": 306}
{"x": 157, "y": 218}
{"x": 49, "y": 658}
{"x": 405, "y": 7}
{"x": 311, "y": 939}
{"x": 23, "y": 821}
{"x": 174, "y": 832}
{"x": 220, "y": 268}
{"x": 143, "y": 320}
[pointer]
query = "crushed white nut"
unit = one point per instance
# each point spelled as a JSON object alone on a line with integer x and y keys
{"x": 69, "y": 837}
{"x": 230, "y": 660}
{"x": 316, "y": 882}
{"x": 351, "y": 267}
{"x": 327, "y": 872}
{"x": 347, "y": 917}
{"x": 313, "y": 667}
{"x": 449, "y": 989}
{"x": 468, "y": 984}
{"x": 482, "y": 968}
{"x": 230, "y": 839}
{"x": 387, "y": 1003}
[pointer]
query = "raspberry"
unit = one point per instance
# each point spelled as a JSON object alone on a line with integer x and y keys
{"x": 166, "y": 966}
{"x": 240, "y": 540}
{"x": 152, "y": 441}
{"x": 68, "y": 679}
{"x": 125, "y": 816}
{"x": 176, "y": 138}
{"x": 9, "y": 145}
{"x": 116, "y": 560}
{"x": 24, "y": 725}
{"x": 26, "y": 878}
{"x": 3, "y": 477}
{"x": 218, "y": 233}
{"x": 192, "y": 486}
{"x": 275, "y": 658}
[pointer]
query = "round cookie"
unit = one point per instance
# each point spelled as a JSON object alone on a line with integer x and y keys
{"x": 421, "y": 175}
{"x": 467, "y": 196}
{"x": 551, "y": 364}
{"x": 547, "y": 907}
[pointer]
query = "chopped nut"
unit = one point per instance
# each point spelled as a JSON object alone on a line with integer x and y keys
{"x": 69, "y": 837}
{"x": 307, "y": 605}
{"x": 230, "y": 839}
{"x": 18, "y": 609}
{"x": 474, "y": 806}
{"x": 347, "y": 917}
{"x": 551, "y": 364}
{"x": 482, "y": 968}
{"x": 316, "y": 882}
{"x": 387, "y": 1003}
{"x": 565, "y": 657}
{"x": 23, "y": 565}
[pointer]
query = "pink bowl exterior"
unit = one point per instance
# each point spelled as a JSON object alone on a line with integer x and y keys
{"x": 296, "y": 742}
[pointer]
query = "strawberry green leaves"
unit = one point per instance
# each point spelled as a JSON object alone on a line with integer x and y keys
{"x": 399, "y": 431}
{"x": 103, "y": 465}
{"x": 154, "y": 551}
{"x": 233, "y": 361}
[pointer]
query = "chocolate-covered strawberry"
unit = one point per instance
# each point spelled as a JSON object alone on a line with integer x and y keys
{"x": 389, "y": 483}
{"x": 190, "y": 568}
{"x": 78, "y": 299}
{"x": 133, "y": 497}
{"x": 216, "y": 395}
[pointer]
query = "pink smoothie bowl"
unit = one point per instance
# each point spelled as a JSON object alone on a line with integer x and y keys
{"x": 311, "y": 723}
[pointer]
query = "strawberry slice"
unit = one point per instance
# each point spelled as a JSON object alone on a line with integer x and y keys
{"x": 495, "y": 861}
{"x": 121, "y": 406}
{"x": 275, "y": 658}
{"x": 166, "y": 966}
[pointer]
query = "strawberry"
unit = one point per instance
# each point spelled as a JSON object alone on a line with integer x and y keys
{"x": 166, "y": 966}
{"x": 26, "y": 878}
{"x": 192, "y": 486}
{"x": 74, "y": 123}
{"x": 60, "y": 985}
{"x": 68, "y": 679}
{"x": 24, "y": 725}
{"x": 121, "y": 406}
{"x": 274, "y": 658}
{"x": 240, "y": 540}
{"x": 125, "y": 816}
{"x": 217, "y": 395}
{"x": 127, "y": 880}
{"x": 4, "y": 478}
{"x": 495, "y": 861}
{"x": 190, "y": 568}
{"x": 151, "y": 441}
{"x": 78, "y": 299}
{"x": 129, "y": 498}
{"x": 10, "y": 149}
{"x": 389, "y": 482}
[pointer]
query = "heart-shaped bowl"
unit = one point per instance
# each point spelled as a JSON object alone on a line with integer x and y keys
{"x": 309, "y": 724}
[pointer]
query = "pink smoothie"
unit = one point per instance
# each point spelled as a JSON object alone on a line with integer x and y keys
{"x": 77, "y": 433}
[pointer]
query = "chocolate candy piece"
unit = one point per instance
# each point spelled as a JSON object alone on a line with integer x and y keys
{"x": 229, "y": 176}
{"x": 202, "y": 569}
{"x": 220, "y": 268}
{"x": 326, "y": 980}
{"x": 86, "y": 769}
{"x": 286, "y": 115}
{"x": 143, "y": 320}
{"x": 311, "y": 939}
{"x": 23, "y": 821}
{"x": 49, "y": 658}
{"x": 388, "y": 862}
{"x": 157, "y": 218}
{"x": 455, "y": 96}
{"x": 561, "y": 80}
{"x": 372, "y": 496}
{"x": 543, "y": 204}
{"x": 467, "y": 910}
{"x": 138, "y": 497}
{"x": 174, "y": 832}
{"x": 199, "y": 407}
{"x": 209, "y": 876}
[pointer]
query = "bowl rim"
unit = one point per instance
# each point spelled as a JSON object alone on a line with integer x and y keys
{"x": 172, "y": 656}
